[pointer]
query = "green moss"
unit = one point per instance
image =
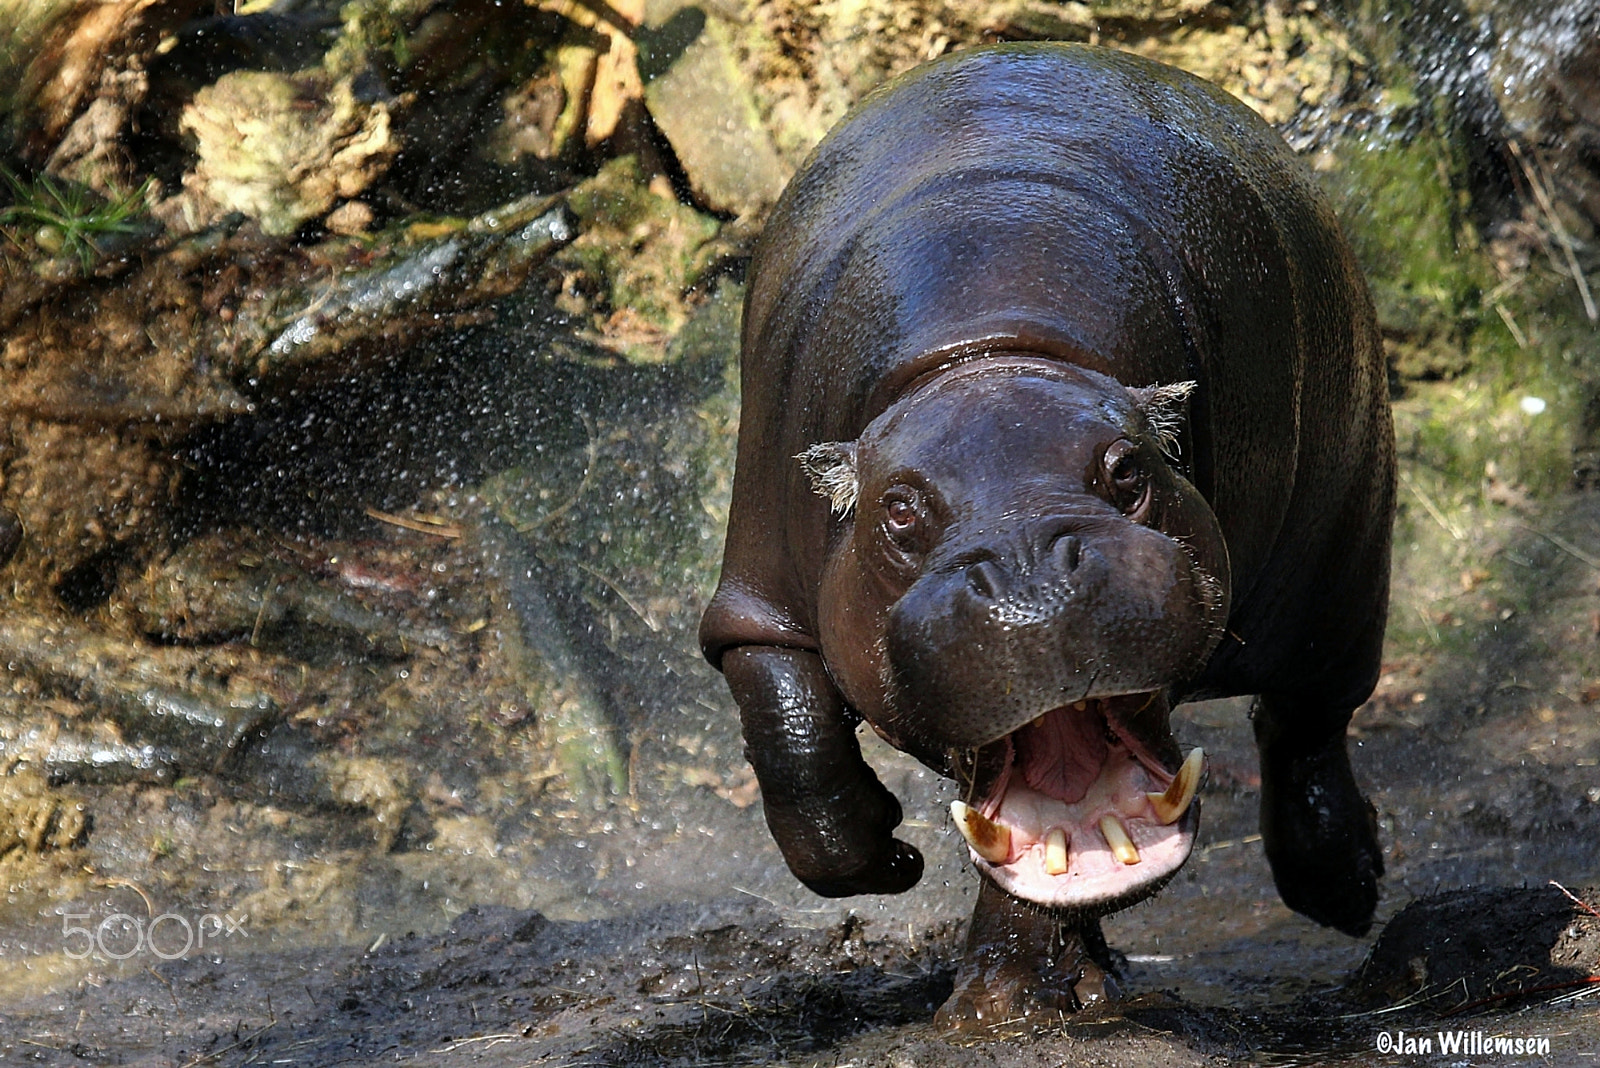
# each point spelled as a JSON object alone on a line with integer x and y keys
{"x": 1495, "y": 372}
{"x": 1516, "y": 416}
{"x": 373, "y": 30}
{"x": 651, "y": 516}
{"x": 643, "y": 505}
{"x": 1404, "y": 218}
{"x": 632, "y": 518}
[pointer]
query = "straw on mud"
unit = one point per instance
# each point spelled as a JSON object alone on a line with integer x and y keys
{"x": 1431, "y": 508}
{"x": 438, "y": 526}
{"x": 1511, "y": 324}
{"x": 1576, "y": 900}
{"x": 1542, "y": 198}
{"x": 1565, "y": 546}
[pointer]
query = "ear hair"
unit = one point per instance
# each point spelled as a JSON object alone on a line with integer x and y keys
{"x": 831, "y": 466}
{"x": 1164, "y": 409}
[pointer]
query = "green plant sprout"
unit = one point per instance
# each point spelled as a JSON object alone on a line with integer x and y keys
{"x": 70, "y": 217}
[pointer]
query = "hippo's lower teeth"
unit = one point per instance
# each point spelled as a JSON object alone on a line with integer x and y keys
{"x": 1172, "y": 803}
{"x": 1122, "y": 846}
{"x": 1050, "y": 792}
{"x": 988, "y": 839}
{"x": 1055, "y": 852}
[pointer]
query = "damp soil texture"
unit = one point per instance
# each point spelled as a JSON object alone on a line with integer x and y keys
{"x": 368, "y": 391}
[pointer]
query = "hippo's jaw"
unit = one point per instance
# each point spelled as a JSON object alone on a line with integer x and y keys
{"x": 1075, "y": 811}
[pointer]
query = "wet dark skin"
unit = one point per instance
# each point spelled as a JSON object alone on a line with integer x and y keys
{"x": 1062, "y": 963}
{"x": 962, "y": 312}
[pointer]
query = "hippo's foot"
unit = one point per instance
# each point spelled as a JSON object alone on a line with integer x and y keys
{"x": 1022, "y": 960}
{"x": 1320, "y": 833}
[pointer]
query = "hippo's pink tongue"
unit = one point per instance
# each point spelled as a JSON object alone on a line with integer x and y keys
{"x": 1061, "y": 753}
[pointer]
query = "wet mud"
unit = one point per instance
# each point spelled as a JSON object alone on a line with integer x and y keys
{"x": 696, "y": 949}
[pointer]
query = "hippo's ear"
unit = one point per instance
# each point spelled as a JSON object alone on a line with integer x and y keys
{"x": 831, "y": 466}
{"x": 1164, "y": 408}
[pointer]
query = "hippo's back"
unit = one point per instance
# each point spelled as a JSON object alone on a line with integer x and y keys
{"x": 1075, "y": 202}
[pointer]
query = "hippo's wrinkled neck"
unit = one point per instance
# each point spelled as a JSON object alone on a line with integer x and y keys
{"x": 1009, "y": 352}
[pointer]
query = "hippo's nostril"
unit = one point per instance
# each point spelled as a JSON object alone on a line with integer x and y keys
{"x": 1067, "y": 550}
{"x": 984, "y": 579}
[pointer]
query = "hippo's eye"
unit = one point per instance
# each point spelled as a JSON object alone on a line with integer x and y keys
{"x": 1125, "y": 478}
{"x": 902, "y": 515}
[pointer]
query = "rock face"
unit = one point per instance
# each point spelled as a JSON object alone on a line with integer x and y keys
{"x": 701, "y": 100}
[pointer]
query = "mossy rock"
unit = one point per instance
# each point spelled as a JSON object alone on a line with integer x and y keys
{"x": 628, "y": 271}
{"x": 644, "y": 502}
{"x": 1405, "y": 219}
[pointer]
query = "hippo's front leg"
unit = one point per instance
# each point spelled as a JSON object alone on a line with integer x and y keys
{"x": 827, "y": 810}
{"x": 1021, "y": 958}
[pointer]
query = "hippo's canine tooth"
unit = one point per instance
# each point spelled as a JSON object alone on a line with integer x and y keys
{"x": 1122, "y": 846}
{"x": 1174, "y": 801}
{"x": 988, "y": 839}
{"x": 1055, "y": 852}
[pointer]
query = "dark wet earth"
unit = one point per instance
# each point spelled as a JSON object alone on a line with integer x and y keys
{"x": 664, "y": 930}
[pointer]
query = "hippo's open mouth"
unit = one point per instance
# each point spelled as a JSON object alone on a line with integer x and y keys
{"x": 1075, "y": 809}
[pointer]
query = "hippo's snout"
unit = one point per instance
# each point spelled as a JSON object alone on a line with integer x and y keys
{"x": 1036, "y": 658}
{"x": 994, "y": 635}
{"x": 1021, "y": 584}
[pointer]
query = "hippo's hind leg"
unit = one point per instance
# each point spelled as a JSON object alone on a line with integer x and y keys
{"x": 1312, "y": 661}
{"x": 828, "y": 812}
{"x": 1320, "y": 833}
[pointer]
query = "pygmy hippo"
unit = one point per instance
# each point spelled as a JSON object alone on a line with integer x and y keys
{"x": 1063, "y": 402}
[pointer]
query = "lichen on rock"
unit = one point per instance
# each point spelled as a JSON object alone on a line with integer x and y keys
{"x": 283, "y": 148}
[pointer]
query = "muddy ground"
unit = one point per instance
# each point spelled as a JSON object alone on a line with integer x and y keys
{"x": 729, "y": 974}
{"x": 665, "y": 930}
{"x": 354, "y": 530}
